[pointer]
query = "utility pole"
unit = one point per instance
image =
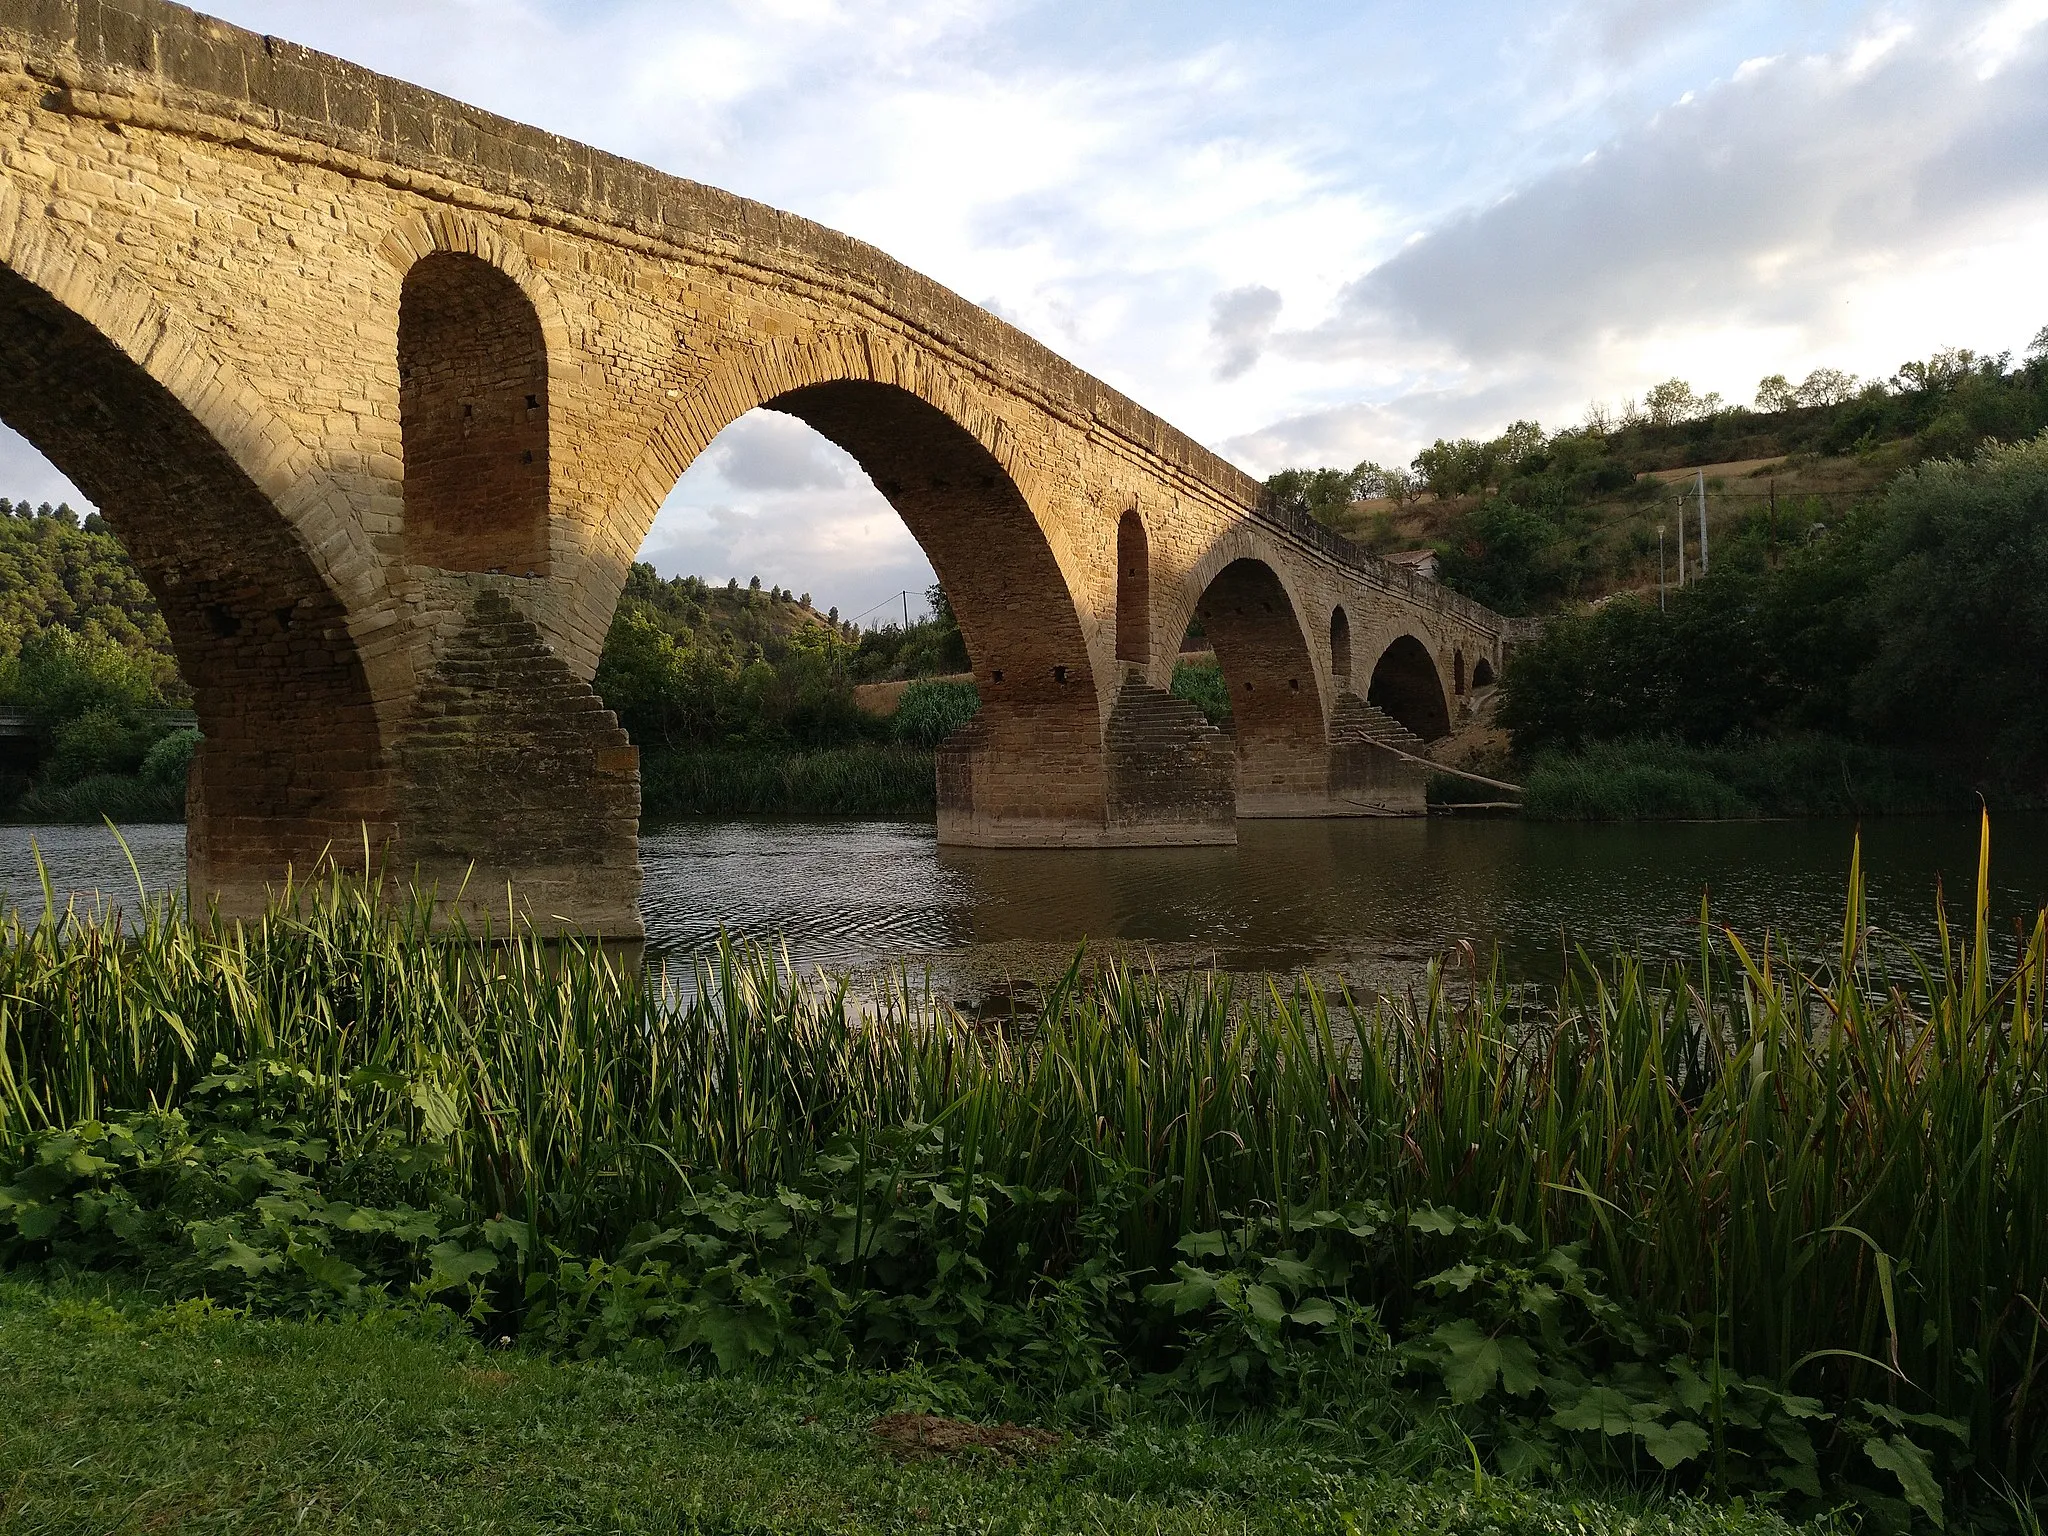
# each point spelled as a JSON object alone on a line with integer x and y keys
{"x": 906, "y": 603}
{"x": 1703, "y": 522}
{"x": 1774, "y": 522}
{"x": 1681, "y": 543}
{"x": 1660, "y": 567}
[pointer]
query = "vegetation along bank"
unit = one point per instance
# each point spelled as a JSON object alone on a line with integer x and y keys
{"x": 1740, "y": 1228}
{"x": 1864, "y": 642}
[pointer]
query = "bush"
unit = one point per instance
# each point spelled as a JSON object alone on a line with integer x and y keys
{"x": 867, "y": 780}
{"x": 1787, "y": 776}
{"x": 931, "y": 711}
{"x": 115, "y": 797}
{"x": 1919, "y": 622}
{"x": 1202, "y": 685}
{"x": 168, "y": 763}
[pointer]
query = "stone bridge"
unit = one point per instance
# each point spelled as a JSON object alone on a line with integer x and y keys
{"x": 382, "y": 393}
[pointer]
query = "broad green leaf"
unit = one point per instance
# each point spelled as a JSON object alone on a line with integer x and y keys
{"x": 1519, "y": 1373}
{"x": 1316, "y": 1314}
{"x": 1265, "y": 1304}
{"x": 1672, "y": 1444}
{"x": 1601, "y": 1408}
{"x": 1475, "y": 1359}
{"x": 1908, "y": 1463}
{"x": 455, "y": 1265}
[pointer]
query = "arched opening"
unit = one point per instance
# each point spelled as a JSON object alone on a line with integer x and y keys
{"x": 1340, "y": 646}
{"x": 1133, "y": 590}
{"x": 1275, "y": 711}
{"x": 473, "y": 410}
{"x": 766, "y": 499}
{"x": 1482, "y": 673}
{"x": 291, "y": 762}
{"x": 1458, "y": 673}
{"x": 1406, "y": 684}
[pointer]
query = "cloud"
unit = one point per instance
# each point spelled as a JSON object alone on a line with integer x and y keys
{"x": 1751, "y": 203}
{"x": 767, "y": 451}
{"x": 25, "y": 475}
{"x": 772, "y": 498}
{"x": 1239, "y": 322}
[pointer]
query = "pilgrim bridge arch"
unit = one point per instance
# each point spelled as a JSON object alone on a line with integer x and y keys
{"x": 383, "y": 393}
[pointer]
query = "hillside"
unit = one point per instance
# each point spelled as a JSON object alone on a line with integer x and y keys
{"x": 1531, "y": 521}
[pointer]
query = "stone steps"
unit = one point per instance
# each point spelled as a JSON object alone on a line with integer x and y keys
{"x": 1356, "y": 721}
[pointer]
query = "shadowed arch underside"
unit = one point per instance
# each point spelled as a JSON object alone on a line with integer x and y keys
{"x": 1406, "y": 685}
{"x": 291, "y": 762}
{"x": 1028, "y": 768}
{"x": 1275, "y": 708}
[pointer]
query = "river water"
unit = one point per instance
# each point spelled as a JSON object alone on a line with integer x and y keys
{"x": 1368, "y": 901}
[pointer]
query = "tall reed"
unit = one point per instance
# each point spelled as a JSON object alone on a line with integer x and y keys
{"x": 1822, "y": 1174}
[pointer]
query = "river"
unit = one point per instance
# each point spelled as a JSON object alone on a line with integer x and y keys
{"x": 1368, "y": 901}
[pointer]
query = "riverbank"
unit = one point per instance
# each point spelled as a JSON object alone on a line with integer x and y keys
{"x": 878, "y": 780}
{"x": 1785, "y": 776}
{"x": 1249, "y": 1206}
{"x": 130, "y": 1413}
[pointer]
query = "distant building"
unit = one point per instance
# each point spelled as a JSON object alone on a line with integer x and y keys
{"x": 1421, "y": 561}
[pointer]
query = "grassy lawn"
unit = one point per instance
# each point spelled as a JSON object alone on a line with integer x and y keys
{"x": 124, "y": 1416}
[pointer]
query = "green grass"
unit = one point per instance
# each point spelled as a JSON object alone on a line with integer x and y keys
{"x": 1737, "y": 1226}
{"x": 110, "y": 796}
{"x": 1785, "y": 776}
{"x": 931, "y": 710}
{"x": 865, "y": 780}
{"x": 129, "y": 1417}
{"x": 1202, "y": 685}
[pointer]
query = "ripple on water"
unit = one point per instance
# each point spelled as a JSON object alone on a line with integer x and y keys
{"x": 1371, "y": 901}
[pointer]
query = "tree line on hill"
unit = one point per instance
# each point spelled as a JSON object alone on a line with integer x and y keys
{"x": 1918, "y": 622}
{"x": 85, "y": 657}
{"x": 1534, "y": 519}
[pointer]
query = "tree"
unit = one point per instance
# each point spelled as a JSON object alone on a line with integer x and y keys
{"x": 1323, "y": 494}
{"x": 1774, "y": 393}
{"x": 1826, "y": 386}
{"x": 1943, "y": 371}
{"x": 1673, "y": 401}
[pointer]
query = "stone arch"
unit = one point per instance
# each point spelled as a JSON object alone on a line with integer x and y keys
{"x": 1482, "y": 673}
{"x": 1340, "y": 646}
{"x": 1133, "y": 590}
{"x": 1276, "y": 709}
{"x": 191, "y": 476}
{"x": 973, "y": 523}
{"x": 1406, "y": 684}
{"x": 473, "y": 414}
{"x": 712, "y": 400}
{"x": 1033, "y": 753}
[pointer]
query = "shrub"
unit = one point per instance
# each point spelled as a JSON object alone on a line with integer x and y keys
{"x": 930, "y": 711}
{"x": 1202, "y": 685}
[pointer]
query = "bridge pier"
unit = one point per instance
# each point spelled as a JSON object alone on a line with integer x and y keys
{"x": 518, "y": 795}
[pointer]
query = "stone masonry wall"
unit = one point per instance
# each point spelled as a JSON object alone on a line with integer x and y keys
{"x": 234, "y": 228}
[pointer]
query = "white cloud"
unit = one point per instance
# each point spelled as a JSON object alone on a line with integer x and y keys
{"x": 772, "y": 498}
{"x": 1818, "y": 209}
{"x": 1239, "y": 322}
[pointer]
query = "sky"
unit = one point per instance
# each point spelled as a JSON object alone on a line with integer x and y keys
{"x": 1303, "y": 232}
